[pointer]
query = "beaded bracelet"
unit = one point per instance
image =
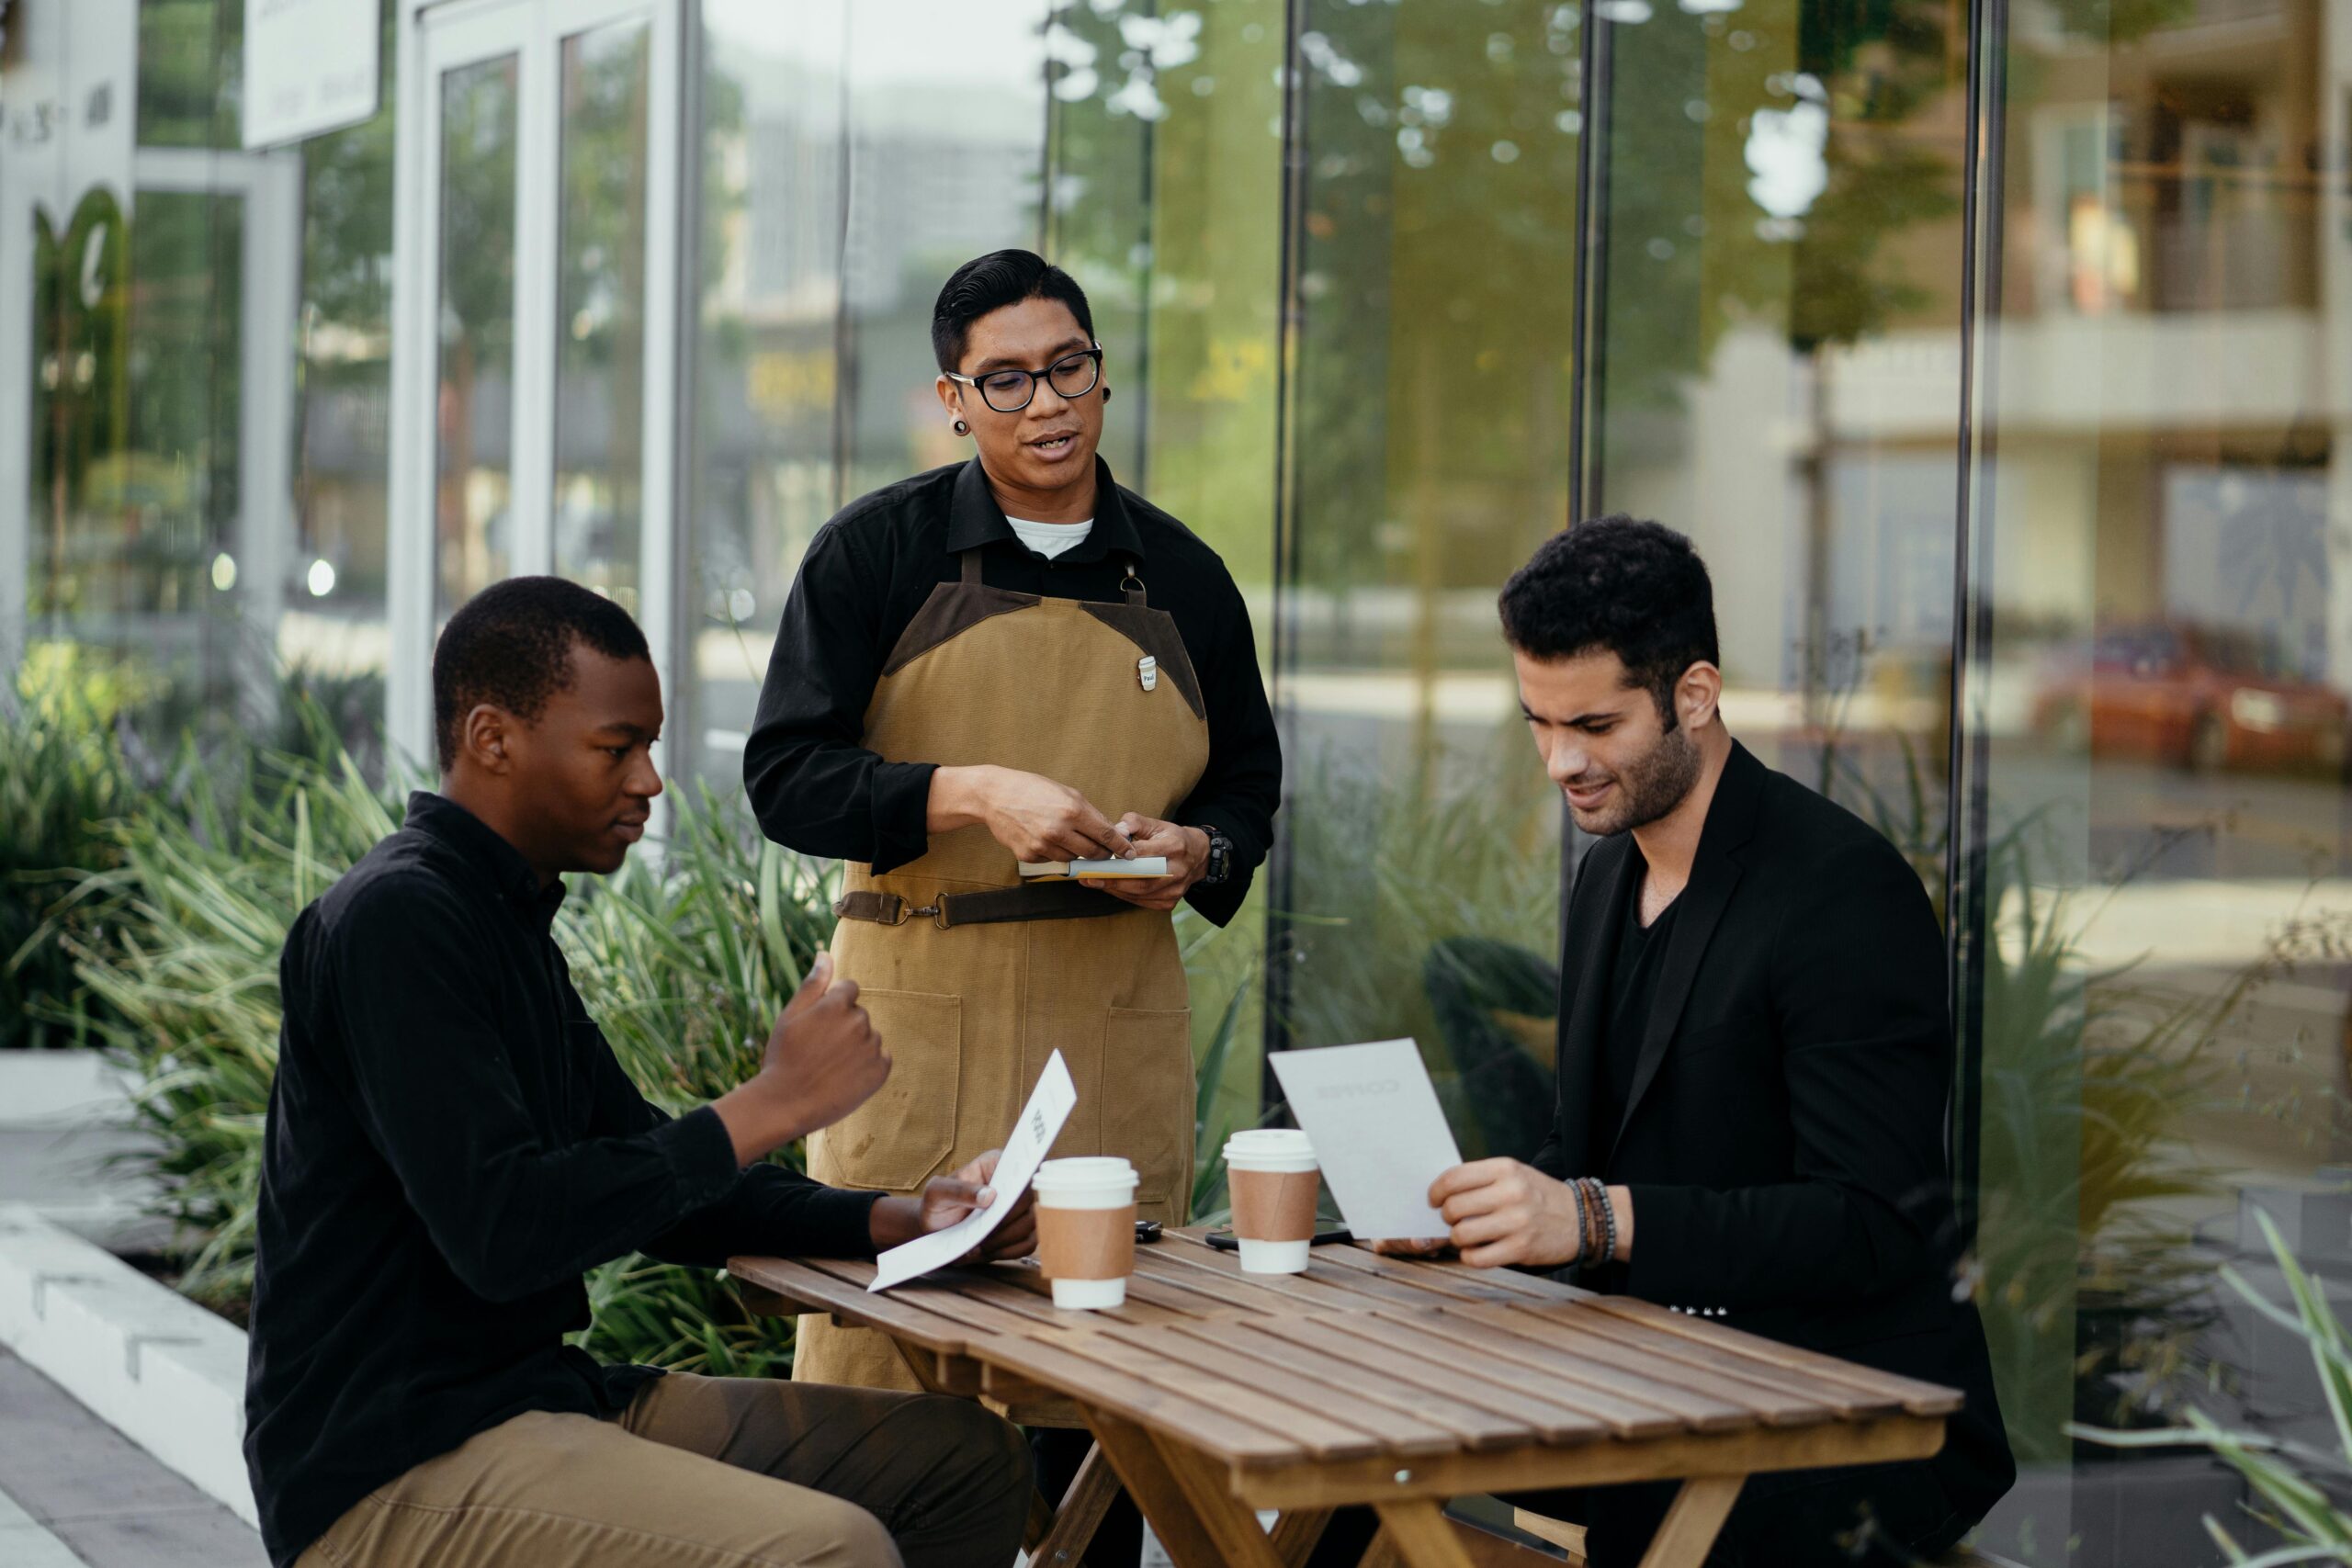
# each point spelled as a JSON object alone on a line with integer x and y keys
{"x": 1596, "y": 1193}
{"x": 1589, "y": 1222}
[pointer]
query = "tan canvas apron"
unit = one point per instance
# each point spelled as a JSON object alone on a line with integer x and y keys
{"x": 971, "y": 1000}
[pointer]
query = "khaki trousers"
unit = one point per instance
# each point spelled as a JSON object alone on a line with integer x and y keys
{"x": 743, "y": 1472}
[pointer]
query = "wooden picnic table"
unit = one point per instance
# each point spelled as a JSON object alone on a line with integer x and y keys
{"x": 1389, "y": 1381}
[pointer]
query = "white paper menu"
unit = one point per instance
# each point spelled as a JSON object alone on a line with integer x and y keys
{"x": 1049, "y": 1106}
{"x": 1373, "y": 1115}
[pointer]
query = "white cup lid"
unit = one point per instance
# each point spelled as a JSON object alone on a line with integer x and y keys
{"x": 1269, "y": 1143}
{"x": 1084, "y": 1172}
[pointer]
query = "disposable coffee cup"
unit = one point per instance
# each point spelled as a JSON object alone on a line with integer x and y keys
{"x": 1086, "y": 1230}
{"x": 1274, "y": 1180}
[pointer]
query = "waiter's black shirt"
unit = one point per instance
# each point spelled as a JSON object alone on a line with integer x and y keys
{"x": 818, "y": 790}
{"x": 450, "y": 1144}
{"x": 1633, "y": 994}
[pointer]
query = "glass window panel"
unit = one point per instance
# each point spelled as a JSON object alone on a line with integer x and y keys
{"x": 947, "y": 143}
{"x": 600, "y": 319}
{"x": 763, "y": 475}
{"x": 2161, "y": 865}
{"x": 1429, "y": 452}
{"x": 476, "y": 311}
{"x": 333, "y": 626}
{"x": 135, "y": 401}
{"x": 1778, "y": 368}
{"x": 1167, "y": 204}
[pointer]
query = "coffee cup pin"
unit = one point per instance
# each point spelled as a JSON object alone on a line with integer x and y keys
{"x": 1147, "y": 672}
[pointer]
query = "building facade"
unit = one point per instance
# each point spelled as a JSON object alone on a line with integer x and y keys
{"x": 1997, "y": 353}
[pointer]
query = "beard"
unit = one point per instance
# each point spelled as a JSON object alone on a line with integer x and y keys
{"x": 1647, "y": 788}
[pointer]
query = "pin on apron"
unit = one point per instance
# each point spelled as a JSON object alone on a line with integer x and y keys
{"x": 974, "y": 979}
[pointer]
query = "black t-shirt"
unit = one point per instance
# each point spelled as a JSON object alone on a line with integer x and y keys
{"x": 1632, "y": 988}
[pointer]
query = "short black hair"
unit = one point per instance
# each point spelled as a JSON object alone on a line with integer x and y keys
{"x": 1620, "y": 585}
{"x": 511, "y": 646}
{"x": 991, "y": 283}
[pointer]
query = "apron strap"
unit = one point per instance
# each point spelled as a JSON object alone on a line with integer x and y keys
{"x": 1030, "y": 901}
{"x": 971, "y": 559}
{"x": 1132, "y": 586}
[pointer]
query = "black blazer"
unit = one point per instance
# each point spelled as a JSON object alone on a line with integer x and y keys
{"x": 1784, "y": 1141}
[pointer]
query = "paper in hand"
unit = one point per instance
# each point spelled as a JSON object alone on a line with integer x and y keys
{"x": 1373, "y": 1115}
{"x": 1041, "y": 1122}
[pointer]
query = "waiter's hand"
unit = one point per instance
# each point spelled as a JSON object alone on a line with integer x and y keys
{"x": 1187, "y": 850}
{"x": 948, "y": 1200}
{"x": 1029, "y": 814}
{"x": 1504, "y": 1211}
{"x": 823, "y": 1060}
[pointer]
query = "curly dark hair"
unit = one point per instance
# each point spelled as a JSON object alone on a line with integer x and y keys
{"x": 991, "y": 283}
{"x": 511, "y": 646}
{"x": 1621, "y": 585}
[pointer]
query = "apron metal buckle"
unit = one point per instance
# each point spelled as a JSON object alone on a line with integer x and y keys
{"x": 938, "y": 915}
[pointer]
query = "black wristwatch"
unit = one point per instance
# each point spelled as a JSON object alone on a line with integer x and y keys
{"x": 1220, "y": 857}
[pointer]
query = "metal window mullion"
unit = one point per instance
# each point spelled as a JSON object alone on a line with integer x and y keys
{"x": 539, "y": 217}
{"x": 271, "y": 288}
{"x": 415, "y": 372}
{"x": 661, "y": 499}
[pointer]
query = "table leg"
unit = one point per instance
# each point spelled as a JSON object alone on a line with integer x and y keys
{"x": 1418, "y": 1533}
{"x": 1230, "y": 1522}
{"x": 1692, "y": 1523}
{"x": 1297, "y": 1534}
{"x": 1156, "y": 1490}
{"x": 1383, "y": 1552}
{"x": 1090, "y": 1493}
{"x": 1041, "y": 1520}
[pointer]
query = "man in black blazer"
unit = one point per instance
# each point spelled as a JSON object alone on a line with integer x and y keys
{"x": 1755, "y": 1058}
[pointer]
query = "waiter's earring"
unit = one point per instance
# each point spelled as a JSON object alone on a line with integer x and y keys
{"x": 961, "y": 428}
{"x": 1106, "y": 394}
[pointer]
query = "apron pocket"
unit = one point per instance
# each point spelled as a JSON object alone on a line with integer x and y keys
{"x": 898, "y": 1138}
{"x": 1147, "y": 1116}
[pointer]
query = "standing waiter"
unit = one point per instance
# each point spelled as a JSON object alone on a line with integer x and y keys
{"x": 1013, "y": 659}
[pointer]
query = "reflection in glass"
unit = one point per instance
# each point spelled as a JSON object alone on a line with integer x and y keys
{"x": 1428, "y": 454}
{"x": 2156, "y": 701}
{"x": 762, "y": 471}
{"x": 476, "y": 312}
{"x": 333, "y": 625}
{"x": 135, "y": 445}
{"x": 946, "y": 130}
{"x": 600, "y": 318}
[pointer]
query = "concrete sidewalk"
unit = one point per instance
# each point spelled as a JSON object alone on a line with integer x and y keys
{"x": 83, "y": 1495}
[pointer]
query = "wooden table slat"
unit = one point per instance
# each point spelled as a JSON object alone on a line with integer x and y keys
{"x": 1659, "y": 1345}
{"x": 1471, "y": 1425}
{"x": 1699, "y": 1401}
{"x": 1434, "y": 1274}
{"x": 1324, "y": 1292}
{"x": 1225, "y": 1350}
{"x": 1432, "y": 1367}
{"x": 1499, "y": 1385}
{"x": 1169, "y": 1263}
{"x": 899, "y": 1313}
{"x": 1919, "y": 1398}
{"x": 1248, "y": 1425}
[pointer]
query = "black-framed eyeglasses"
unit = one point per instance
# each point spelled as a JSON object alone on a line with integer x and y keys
{"x": 1009, "y": 391}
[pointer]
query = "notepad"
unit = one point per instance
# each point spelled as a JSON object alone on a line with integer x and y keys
{"x": 1144, "y": 867}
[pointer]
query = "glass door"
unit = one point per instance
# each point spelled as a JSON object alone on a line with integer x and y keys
{"x": 534, "y": 391}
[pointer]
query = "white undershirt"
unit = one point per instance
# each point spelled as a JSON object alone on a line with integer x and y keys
{"x": 1050, "y": 539}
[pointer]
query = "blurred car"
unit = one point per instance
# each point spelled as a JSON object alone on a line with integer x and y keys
{"x": 2197, "y": 697}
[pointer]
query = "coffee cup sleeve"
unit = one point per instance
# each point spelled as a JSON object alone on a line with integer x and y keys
{"x": 1086, "y": 1244}
{"x": 1275, "y": 1206}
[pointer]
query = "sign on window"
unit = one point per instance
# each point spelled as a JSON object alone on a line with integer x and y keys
{"x": 310, "y": 66}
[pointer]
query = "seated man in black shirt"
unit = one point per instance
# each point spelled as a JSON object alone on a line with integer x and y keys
{"x": 451, "y": 1143}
